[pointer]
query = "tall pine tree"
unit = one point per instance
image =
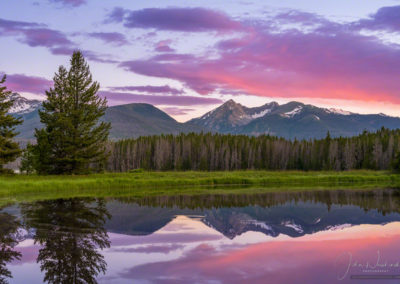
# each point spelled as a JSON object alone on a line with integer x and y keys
{"x": 9, "y": 149}
{"x": 73, "y": 140}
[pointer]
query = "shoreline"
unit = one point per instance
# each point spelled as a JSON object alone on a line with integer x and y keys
{"x": 21, "y": 188}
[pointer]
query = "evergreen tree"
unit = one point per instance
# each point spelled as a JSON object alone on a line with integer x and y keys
{"x": 73, "y": 139}
{"x": 9, "y": 149}
{"x": 396, "y": 163}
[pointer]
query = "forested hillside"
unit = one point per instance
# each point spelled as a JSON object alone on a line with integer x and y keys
{"x": 211, "y": 152}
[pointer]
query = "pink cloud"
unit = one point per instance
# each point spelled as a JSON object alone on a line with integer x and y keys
{"x": 288, "y": 64}
{"x": 56, "y": 42}
{"x": 176, "y": 19}
{"x": 34, "y": 34}
{"x": 28, "y": 84}
{"x": 44, "y": 37}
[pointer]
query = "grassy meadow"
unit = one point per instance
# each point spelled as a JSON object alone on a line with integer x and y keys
{"x": 20, "y": 188}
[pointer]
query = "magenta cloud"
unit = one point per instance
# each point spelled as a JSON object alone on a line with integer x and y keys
{"x": 150, "y": 89}
{"x": 331, "y": 61}
{"x": 116, "y": 98}
{"x": 38, "y": 35}
{"x": 34, "y": 34}
{"x": 44, "y": 37}
{"x": 175, "y": 19}
{"x": 28, "y": 84}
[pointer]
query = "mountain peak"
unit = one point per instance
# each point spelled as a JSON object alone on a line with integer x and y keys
{"x": 271, "y": 104}
{"x": 23, "y": 105}
{"x": 230, "y": 103}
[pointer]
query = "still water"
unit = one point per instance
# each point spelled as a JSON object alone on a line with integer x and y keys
{"x": 320, "y": 237}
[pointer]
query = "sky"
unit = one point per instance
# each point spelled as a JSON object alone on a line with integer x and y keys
{"x": 188, "y": 57}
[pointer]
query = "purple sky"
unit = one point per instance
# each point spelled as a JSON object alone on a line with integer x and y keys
{"x": 189, "y": 58}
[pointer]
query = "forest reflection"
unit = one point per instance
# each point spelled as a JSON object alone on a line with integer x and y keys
{"x": 71, "y": 233}
{"x": 9, "y": 237}
{"x": 383, "y": 200}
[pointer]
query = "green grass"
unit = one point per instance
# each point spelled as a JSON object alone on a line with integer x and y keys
{"x": 140, "y": 184}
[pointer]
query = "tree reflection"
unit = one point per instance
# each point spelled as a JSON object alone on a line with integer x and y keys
{"x": 71, "y": 232}
{"x": 9, "y": 226}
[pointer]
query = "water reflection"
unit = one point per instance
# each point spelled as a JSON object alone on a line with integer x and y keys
{"x": 9, "y": 226}
{"x": 293, "y": 214}
{"x": 311, "y": 237}
{"x": 70, "y": 232}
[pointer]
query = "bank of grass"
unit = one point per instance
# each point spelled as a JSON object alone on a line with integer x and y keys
{"x": 142, "y": 183}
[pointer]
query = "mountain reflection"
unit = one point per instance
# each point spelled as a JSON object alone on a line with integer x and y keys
{"x": 70, "y": 233}
{"x": 9, "y": 226}
{"x": 294, "y": 214}
{"x": 76, "y": 240}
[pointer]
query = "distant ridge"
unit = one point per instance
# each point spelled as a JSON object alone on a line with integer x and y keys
{"x": 291, "y": 120}
{"x": 127, "y": 121}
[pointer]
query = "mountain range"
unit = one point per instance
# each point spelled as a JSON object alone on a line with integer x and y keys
{"x": 291, "y": 120}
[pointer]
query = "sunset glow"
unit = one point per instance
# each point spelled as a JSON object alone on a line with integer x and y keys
{"x": 189, "y": 58}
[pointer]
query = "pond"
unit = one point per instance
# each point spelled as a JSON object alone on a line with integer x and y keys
{"x": 303, "y": 237}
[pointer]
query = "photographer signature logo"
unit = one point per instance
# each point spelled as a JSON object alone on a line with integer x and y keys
{"x": 346, "y": 264}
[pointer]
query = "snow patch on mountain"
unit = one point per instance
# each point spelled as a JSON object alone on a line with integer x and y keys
{"x": 293, "y": 112}
{"x": 260, "y": 114}
{"x": 338, "y": 111}
{"x": 23, "y": 105}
